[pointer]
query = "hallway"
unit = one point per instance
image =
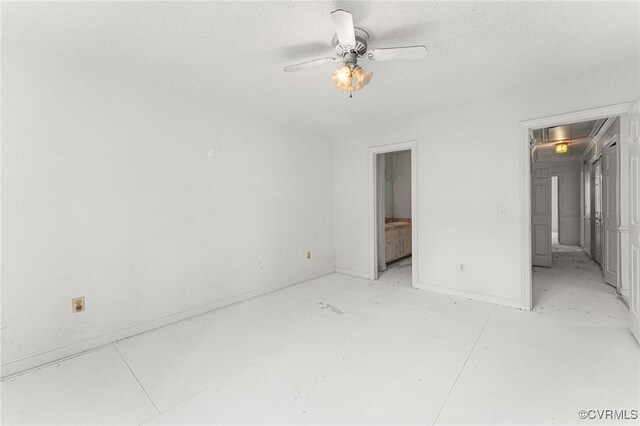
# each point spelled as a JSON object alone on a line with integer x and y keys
{"x": 574, "y": 291}
{"x": 339, "y": 349}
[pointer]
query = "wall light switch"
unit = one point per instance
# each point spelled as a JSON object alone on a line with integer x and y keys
{"x": 503, "y": 211}
{"x": 308, "y": 255}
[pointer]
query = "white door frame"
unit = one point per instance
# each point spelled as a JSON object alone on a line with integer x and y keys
{"x": 373, "y": 211}
{"x": 525, "y": 179}
{"x": 559, "y": 180}
{"x": 615, "y": 139}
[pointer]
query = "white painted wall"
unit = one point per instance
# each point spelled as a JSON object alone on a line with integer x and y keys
{"x": 398, "y": 184}
{"x": 402, "y": 185}
{"x": 145, "y": 202}
{"x": 388, "y": 185}
{"x": 568, "y": 208}
{"x": 464, "y": 176}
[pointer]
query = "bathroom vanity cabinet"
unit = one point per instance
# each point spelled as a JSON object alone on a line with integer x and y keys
{"x": 397, "y": 240}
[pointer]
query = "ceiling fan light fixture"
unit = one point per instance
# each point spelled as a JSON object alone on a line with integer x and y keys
{"x": 362, "y": 77}
{"x": 349, "y": 79}
{"x": 342, "y": 76}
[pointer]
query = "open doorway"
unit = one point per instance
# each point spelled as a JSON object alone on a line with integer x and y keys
{"x": 627, "y": 154}
{"x": 575, "y": 220}
{"x": 394, "y": 255}
{"x": 394, "y": 219}
{"x": 575, "y": 206}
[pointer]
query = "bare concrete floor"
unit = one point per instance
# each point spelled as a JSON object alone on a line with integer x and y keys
{"x": 398, "y": 272}
{"x": 345, "y": 350}
{"x": 573, "y": 289}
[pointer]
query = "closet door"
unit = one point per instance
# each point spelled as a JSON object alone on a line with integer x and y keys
{"x": 541, "y": 213}
{"x": 634, "y": 223}
{"x": 610, "y": 214}
{"x": 598, "y": 225}
{"x": 587, "y": 209}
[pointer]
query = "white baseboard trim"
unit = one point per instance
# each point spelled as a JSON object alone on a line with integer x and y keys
{"x": 469, "y": 295}
{"x": 31, "y": 362}
{"x": 353, "y": 272}
{"x": 625, "y": 297}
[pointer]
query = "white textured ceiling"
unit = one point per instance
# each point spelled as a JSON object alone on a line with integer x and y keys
{"x": 233, "y": 52}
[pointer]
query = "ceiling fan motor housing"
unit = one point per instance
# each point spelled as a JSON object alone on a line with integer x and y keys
{"x": 351, "y": 59}
{"x": 362, "y": 38}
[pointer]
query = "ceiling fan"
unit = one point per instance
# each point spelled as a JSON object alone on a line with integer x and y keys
{"x": 351, "y": 43}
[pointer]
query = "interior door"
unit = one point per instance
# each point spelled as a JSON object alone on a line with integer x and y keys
{"x": 587, "y": 209}
{"x": 610, "y": 214}
{"x": 541, "y": 213}
{"x": 597, "y": 192}
{"x": 634, "y": 223}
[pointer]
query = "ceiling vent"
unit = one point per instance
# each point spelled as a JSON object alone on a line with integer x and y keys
{"x": 558, "y": 133}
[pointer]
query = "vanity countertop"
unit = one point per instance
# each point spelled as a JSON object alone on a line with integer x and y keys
{"x": 398, "y": 224}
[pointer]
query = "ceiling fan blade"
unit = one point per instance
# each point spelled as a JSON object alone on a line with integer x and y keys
{"x": 308, "y": 64}
{"x": 398, "y": 53}
{"x": 343, "y": 22}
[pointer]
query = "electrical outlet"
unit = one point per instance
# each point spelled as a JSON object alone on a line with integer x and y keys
{"x": 308, "y": 255}
{"x": 462, "y": 267}
{"x": 77, "y": 304}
